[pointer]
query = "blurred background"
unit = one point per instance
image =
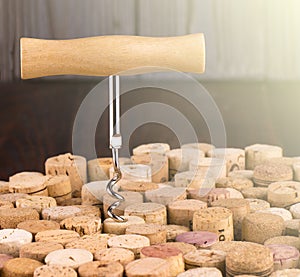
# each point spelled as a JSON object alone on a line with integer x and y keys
{"x": 252, "y": 72}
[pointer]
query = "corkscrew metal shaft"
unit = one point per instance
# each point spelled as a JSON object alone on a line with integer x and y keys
{"x": 115, "y": 143}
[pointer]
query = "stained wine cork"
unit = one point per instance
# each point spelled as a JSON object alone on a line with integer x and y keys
{"x": 27, "y": 182}
{"x": 286, "y": 273}
{"x": 11, "y": 217}
{"x": 257, "y": 204}
{"x": 83, "y": 225}
{"x": 154, "y": 232}
{"x": 11, "y": 241}
{"x": 98, "y": 169}
{"x": 118, "y": 228}
{"x": 212, "y": 195}
{"x": 182, "y": 246}
{"x": 181, "y": 212}
{"x": 151, "y": 148}
{"x": 58, "y": 185}
{"x": 54, "y": 271}
{"x": 150, "y": 212}
{"x": 259, "y": 227}
{"x": 267, "y": 173}
{"x": 60, "y": 236}
{"x": 285, "y": 214}
{"x": 36, "y": 202}
{"x": 241, "y": 174}
{"x": 240, "y": 208}
{"x": 205, "y": 258}
{"x": 216, "y": 220}
{"x": 115, "y": 254}
{"x": 249, "y": 258}
{"x": 4, "y": 187}
{"x": 130, "y": 198}
{"x": 234, "y": 157}
{"x": 292, "y": 227}
{"x": 209, "y": 167}
{"x": 258, "y": 153}
{"x": 200, "y": 239}
{"x": 284, "y": 256}
{"x": 96, "y": 268}
{"x": 174, "y": 230}
{"x": 60, "y": 213}
{"x": 287, "y": 240}
{"x": 35, "y": 226}
{"x": 165, "y": 195}
{"x": 150, "y": 267}
{"x": 255, "y": 192}
{"x": 20, "y": 267}
{"x": 39, "y": 250}
{"x": 70, "y": 165}
{"x": 61, "y": 199}
{"x": 171, "y": 254}
{"x": 235, "y": 183}
{"x": 282, "y": 194}
{"x": 205, "y": 147}
{"x": 202, "y": 271}
{"x": 159, "y": 166}
{"x": 69, "y": 257}
{"x": 134, "y": 172}
{"x": 131, "y": 242}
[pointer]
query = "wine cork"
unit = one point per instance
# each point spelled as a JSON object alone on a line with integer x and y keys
{"x": 69, "y": 257}
{"x": 11, "y": 241}
{"x": 36, "y": 202}
{"x": 159, "y": 166}
{"x": 150, "y": 267}
{"x": 71, "y": 202}
{"x": 11, "y": 217}
{"x": 292, "y": 227}
{"x": 171, "y": 254}
{"x": 118, "y": 228}
{"x": 181, "y": 212}
{"x": 182, "y": 246}
{"x": 259, "y": 227}
{"x": 209, "y": 167}
{"x": 54, "y": 271}
{"x": 296, "y": 170}
{"x": 284, "y": 256}
{"x": 202, "y": 271}
{"x": 235, "y": 183}
{"x": 39, "y": 250}
{"x": 240, "y": 208}
{"x": 154, "y": 232}
{"x": 96, "y": 268}
{"x": 60, "y": 213}
{"x": 174, "y": 230}
{"x": 200, "y": 239}
{"x": 134, "y": 172}
{"x": 258, "y": 153}
{"x": 212, "y": 195}
{"x": 150, "y": 212}
{"x": 257, "y": 204}
{"x": 286, "y": 273}
{"x": 98, "y": 169}
{"x": 151, "y": 148}
{"x": 43, "y": 192}
{"x": 130, "y": 198}
{"x": 267, "y": 173}
{"x": 3, "y": 259}
{"x": 205, "y": 258}
{"x": 255, "y": 192}
{"x": 6, "y": 204}
{"x": 131, "y": 242}
{"x": 287, "y": 240}
{"x": 12, "y": 197}
{"x": 4, "y": 187}
{"x": 60, "y": 236}
{"x": 27, "y": 182}
{"x": 92, "y": 193}
{"x": 61, "y": 199}
{"x": 227, "y": 246}
{"x": 282, "y": 194}
{"x": 234, "y": 157}
{"x": 165, "y": 195}
{"x": 70, "y": 165}
{"x": 249, "y": 258}
{"x": 20, "y": 267}
{"x": 295, "y": 210}
{"x": 204, "y": 147}
{"x": 58, "y": 185}
{"x": 83, "y": 225}
{"x": 241, "y": 174}
{"x": 35, "y": 226}
{"x": 216, "y": 220}
{"x": 285, "y": 214}
{"x": 115, "y": 254}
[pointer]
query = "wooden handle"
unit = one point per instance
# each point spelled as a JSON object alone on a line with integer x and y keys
{"x": 110, "y": 55}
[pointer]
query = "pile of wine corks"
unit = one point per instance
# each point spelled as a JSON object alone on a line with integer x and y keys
{"x": 192, "y": 211}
